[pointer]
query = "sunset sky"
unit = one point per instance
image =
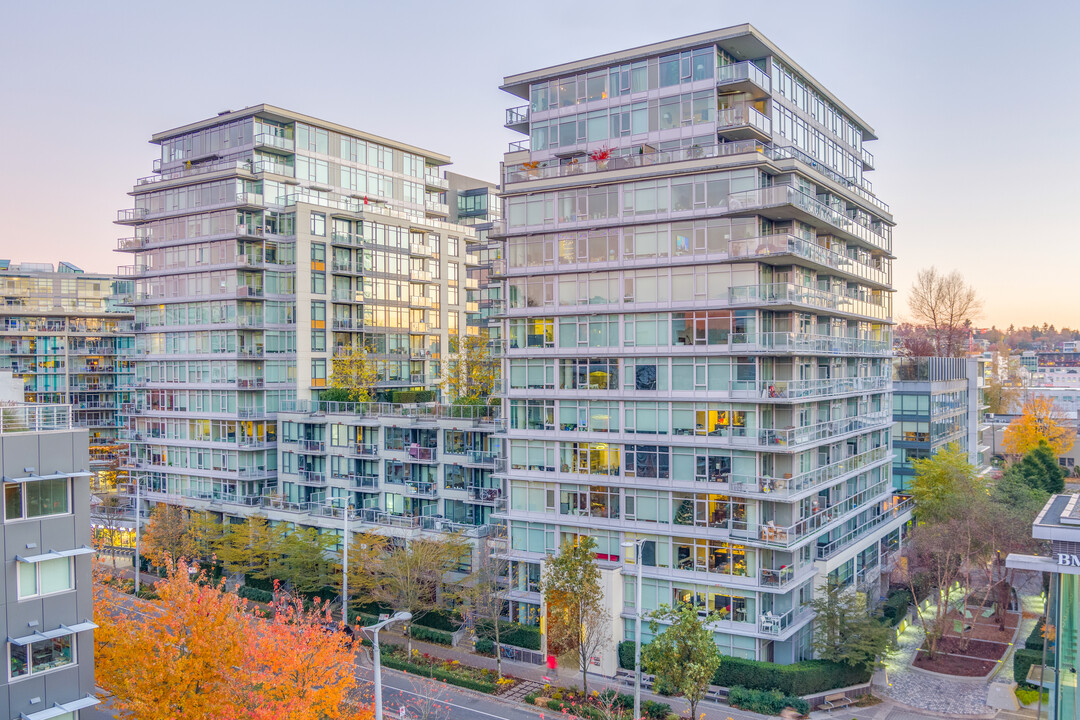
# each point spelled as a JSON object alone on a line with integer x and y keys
{"x": 976, "y": 105}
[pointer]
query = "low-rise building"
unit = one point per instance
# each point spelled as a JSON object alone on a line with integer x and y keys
{"x": 46, "y": 602}
{"x": 1059, "y": 524}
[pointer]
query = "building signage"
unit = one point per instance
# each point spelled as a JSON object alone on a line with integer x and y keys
{"x": 1068, "y": 560}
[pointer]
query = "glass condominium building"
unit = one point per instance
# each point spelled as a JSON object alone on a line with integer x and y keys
{"x": 264, "y": 242}
{"x": 698, "y": 281}
{"x": 63, "y": 334}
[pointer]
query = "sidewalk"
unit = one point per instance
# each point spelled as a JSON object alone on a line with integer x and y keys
{"x": 565, "y": 678}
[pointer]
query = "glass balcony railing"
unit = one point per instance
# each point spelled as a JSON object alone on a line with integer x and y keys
{"x": 808, "y": 250}
{"x": 275, "y": 141}
{"x": 743, "y": 115}
{"x": 866, "y": 304}
{"x": 787, "y": 485}
{"x": 799, "y": 390}
{"x": 789, "y": 534}
{"x": 894, "y": 508}
{"x": 746, "y": 70}
{"x": 770, "y": 623}
{"x": 517, "y": 115}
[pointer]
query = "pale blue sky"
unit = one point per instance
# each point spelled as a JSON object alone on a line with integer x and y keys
{"x": 976, "y": 105}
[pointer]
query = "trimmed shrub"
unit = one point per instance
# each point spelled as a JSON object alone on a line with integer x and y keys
{"x": 895, "y": 607}
{"x": 362, "y": 618}
{"x": 254, "y": 593}
{"x": 445, "y": 620}
{"x": 530, "y": 698}
{"x": 523, "y": 636}
{"x": 412, "y": 396}
{"x": 1035, "y": 639}
{"x": 655, "y": 710}
{"x": 438, "y": 673}
{"x": 1023, "y": 659}
{"x": 483, "y": 646}
{"x": 801, "y": 678}
{"x": 428, "y": 635}
{"x": 261, "y": 583}
{"x": 768, "y": 702}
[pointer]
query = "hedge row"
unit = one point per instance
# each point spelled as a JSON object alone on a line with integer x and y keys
{"x": 895, "y": 607}
{"x": 483, "y": 646}
{"x": 1035, "y": 639}
{"x": 428, "y": 635}
{"x": 254, "y": 593}
{"x": 768, "y": 702}
{"x": 802, "y": 678}
{"x": 412, "y": 396}
{"x": 445, "y": 620}
{"x": 1023, "y": 659}
{"x": 438, "y": 674}
{"x": 523, "y": 636}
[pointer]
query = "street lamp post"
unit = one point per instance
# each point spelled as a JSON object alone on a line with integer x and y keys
{"x": 345, "y": 568}
{"x": 636, "y": 544}
{"x": 397, "y": 617}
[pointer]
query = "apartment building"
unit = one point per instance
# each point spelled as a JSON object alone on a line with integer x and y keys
{"x": 265, "y": 241}
{"x": 64, "y": 335}
{"x": 937, "y": 401}
{"x": 401, "y": 469}
{"x": 47, "y": 601}
{"x": 698, "y": 300}
{"x": 476, "y": 203}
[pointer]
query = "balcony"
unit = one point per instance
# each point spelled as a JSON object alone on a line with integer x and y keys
{"x": 361, "y": 482}
{"x": 247, "y": 291}
{"x": 437, "y": 208}
{"x": 828, "y": 430}
{"x": 436, "y": 181}
{"x": 788, "y": 535}
{"x": 348, "y": 296}
{"x": 472, "y": 259}
{"x": 340, "y": 266}
{"x": 867, "y": 304}
{"x": 421, "y": 489}
{"x": 420, "y": 301}
{"x": 347, "y": 324}
{"x": 742, "y": 121}
{"x": 251, "y": 414}
{"x": 484, "y": 458}
{"x": 472, "y": 284}
{"x": 131, "y": 215}
{"x": 894, "y": 508}
{"x": 419, "y": 250}
{"x": 517, "y": 118}
{"x": 423, "y": 454}
{"x": 746, "y": 77}
{"x": 423, "y": 276}
{"x": 340, "y": 238}
{"x": 251, "y": 353}
{"x": 783, "y": 245}
{"x": 417, "y": 328}
{"x": 249, "y": 383}
{"x": 776, "y": 578}
{"x": 800, "y": 390}
{"x": 485, "y": 495}
{"x": 370, "y": 450}
{"x": 311, "y": 477}
{"x": 867, "y": 159}
{"x": 472, "y": 307}
{"x": 275, "y": 142}
{"x": 803, "y": 482}
{"x": 772, "y": 624}
{"x": 312, "y": 446}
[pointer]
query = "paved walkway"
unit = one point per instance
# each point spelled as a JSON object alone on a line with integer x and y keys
{"x": 942, "y": 694}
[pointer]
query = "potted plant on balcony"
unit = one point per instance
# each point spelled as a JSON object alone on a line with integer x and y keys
{"x": 532, "y": 169}
{"x": 573, "y": 167}
{"x": 601, "y": 157}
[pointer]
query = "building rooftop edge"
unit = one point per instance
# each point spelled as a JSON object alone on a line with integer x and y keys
{"x": 264, "y": 108}
{"x": 675, "y": 43}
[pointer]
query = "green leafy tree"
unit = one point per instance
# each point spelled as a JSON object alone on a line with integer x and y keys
{"x": 1039, "y": 468}
{"x": 305, "y": 559}
{"x": 944, "y": 483}
{"x": 575, "y": 600}
{"x": 251, "y": 547}
{"x": 684, "y": 655}
{"x": 844, "y": 630}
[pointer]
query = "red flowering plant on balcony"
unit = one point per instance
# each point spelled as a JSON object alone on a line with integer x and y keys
{"x": 601, "y": 155}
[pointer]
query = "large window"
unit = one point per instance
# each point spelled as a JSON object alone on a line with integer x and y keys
{"x": 41, "y": 656}
{"x": 36, "y": 498}
{"x": 45, "y": 577}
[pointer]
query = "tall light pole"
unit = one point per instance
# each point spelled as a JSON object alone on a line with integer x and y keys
{"x": 397, "y": 617}
{"x": 345, "y": 569}
{"x": 636, "y": 544}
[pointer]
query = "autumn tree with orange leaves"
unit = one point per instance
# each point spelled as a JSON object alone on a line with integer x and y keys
{"x": 1038, "y": 421}
{"x": 199, "y": 653}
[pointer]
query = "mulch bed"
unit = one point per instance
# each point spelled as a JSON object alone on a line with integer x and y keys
{"x": 953, "y": 665}
{"x": 986, "y": 644}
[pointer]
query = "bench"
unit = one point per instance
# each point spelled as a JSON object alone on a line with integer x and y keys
{"x": 836, "y": 700}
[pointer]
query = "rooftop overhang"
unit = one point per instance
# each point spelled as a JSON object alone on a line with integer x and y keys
{"x": 743, "y": 42}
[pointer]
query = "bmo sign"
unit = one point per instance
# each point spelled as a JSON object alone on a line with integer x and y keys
{"x": 1067, "y": 560}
